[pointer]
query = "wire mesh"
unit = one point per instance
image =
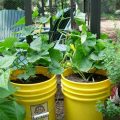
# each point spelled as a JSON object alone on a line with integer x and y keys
{"x": 13, "y": 4}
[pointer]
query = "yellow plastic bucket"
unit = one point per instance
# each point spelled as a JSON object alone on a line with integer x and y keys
{"x": 38, "y": 99}
{"x": 80, "y": 98}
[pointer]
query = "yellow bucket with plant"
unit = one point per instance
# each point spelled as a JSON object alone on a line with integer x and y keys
{"x": 39, "y": 98}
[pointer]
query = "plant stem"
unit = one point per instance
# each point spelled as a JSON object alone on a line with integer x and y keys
{"x": 83, "y": 76}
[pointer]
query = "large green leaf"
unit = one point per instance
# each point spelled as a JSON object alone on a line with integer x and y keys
{"x": 46, "y": 46}
{"x": 35, "y": 13}
{"x": 33, "y": 58}
{"x": 27, "y": 30}
{"x": 77, "y": 56}
{"x": 22, "y": 45}
{"x": 44, "y": 20}
{"x": 85, "y": 64}
{"x": 36, "y": 45}
{"x": 6, "y": 92}
{"x": 6, "y": 61}
{"x": 80, "y": 18}
{"x": 55, "y": 68}
{"x": 104, "y": 36}
{"x": 8, "y": 42}
{"x": 10, "y": 110}
{"x": 100, "y": 45}
{"x": 83, "y": 38}
{"x": 80, "y": 61}
{"x": 55, "y": 55}
{"x": 20, "y": 21}
{"x": 93, "y": 56}
{"x": 4, "y": 79}
{"x": 90, "y": 42}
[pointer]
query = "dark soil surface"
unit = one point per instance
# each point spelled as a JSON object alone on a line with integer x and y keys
{"x": 90, "y": 77}
{"x": 32, "y": 80}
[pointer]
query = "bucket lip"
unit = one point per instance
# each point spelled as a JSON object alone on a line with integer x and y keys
{"x": 50, "y": 79}
{"x": 53, "y": 76}
{"x": 82, "y": 83}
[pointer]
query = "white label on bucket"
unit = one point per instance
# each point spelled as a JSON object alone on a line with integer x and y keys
{"x": 40, "y": 112}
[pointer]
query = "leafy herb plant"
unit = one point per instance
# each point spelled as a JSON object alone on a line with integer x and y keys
{"x": 109, "y": 109}
{"x": 112, "y": 62}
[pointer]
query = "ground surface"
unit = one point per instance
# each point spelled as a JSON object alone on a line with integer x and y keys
{"x": 109, "y": 27}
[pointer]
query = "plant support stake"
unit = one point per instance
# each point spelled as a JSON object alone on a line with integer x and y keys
{"x": 28, "y": 12}
{"x": 95, "y": 17}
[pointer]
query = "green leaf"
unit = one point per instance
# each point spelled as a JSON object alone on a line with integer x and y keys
{"x": 4, "y": 79}
{"x": 77, "y": 56}
{"x": 6, "y": 92}
{"x": 8, "y": 42}
{"x": 84, "y": 28}
{"x": 93, "y": 56}
{"x": 33, "y": 58}
{"x": 21, "y": 21}
{"x": 22, "y": 45}
{"x": 29, "y": 72}
{"x": 80, "y": 18}
{"x": 99, "y": 65}
{"x": 83, "y": 38}
{"x": 36, "y": 44}
{"x": 6, "y": 61}
{"x": 103, "y": 36}
{"x": 44, "y": 61}
{"x": 44, "y": 37}
{"x": 100, "y": 45}
{"x": 55, "y": 55}
{"x": 27, "y": 30}
{"x": 55, "y": 68}
{"x": 44, "y": 20}
{"x": 81, "y": 61}
{"x": 1, "y": 48}
{"x": 90, "y": 42}
{"x": 35, "y": 13}
{"x": 85, "y": 65}
{"x": 46, "y": 46}
{"x": 10, "y": 110}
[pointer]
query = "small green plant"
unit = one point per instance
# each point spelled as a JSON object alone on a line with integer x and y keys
{"x": 34, "y": 51}
{"x": 112, "y": 62}
{"x": 109, "y": 109}
{"x": 84, "y": 50}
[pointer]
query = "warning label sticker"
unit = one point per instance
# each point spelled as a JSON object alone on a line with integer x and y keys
{"x": 40, "y": 112}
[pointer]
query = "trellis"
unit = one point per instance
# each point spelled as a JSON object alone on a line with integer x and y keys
{"x": 91, "y": 7}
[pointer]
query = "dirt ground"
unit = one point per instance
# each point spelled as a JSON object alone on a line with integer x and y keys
{"x": 59, "y": 102}
{"x": 109, "y": 27}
